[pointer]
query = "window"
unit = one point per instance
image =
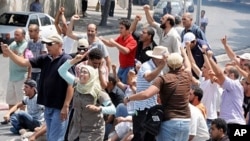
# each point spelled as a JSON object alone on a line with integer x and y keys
{"x": 34, "y": 20}
{"x": 44, "y": 20}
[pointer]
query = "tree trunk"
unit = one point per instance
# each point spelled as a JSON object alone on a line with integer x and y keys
{"x": 129, "y": 9}
{"x": 105, "y": 13}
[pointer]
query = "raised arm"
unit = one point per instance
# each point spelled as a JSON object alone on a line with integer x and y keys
{"x": 149, "y": 18}
{"x": 118, "y": 82}
{"x": 187, "y": 63}
{"x": 70, "y": 27}
{"x": 19, "y": 60}
{"x": 229, "y": 51}
{"x": 195, "y": 68}
{"x": 134, "y": 23}
{"x": 57, "y": 19}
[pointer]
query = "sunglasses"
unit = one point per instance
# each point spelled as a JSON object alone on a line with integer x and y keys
{"x": 50, "y": 44}
{"x": 82, "y": 49}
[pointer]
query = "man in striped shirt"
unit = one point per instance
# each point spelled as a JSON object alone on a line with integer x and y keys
{"x": 146, "y": 74}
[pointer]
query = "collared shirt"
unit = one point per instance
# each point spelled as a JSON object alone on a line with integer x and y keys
{"x": 199, "y": 34}
{"x": 127, "y": 60}
{"x": 231, "y": 109}
{"x": 171, "y": 40}
{"x": 52, "y": 89}
{"x": 142, "y": 84}
{"x": 16, "y": 72}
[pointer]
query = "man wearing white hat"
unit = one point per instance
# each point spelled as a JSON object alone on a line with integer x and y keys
{"x": 54, "y": 93}
{"x": 146, "y": 74}
{"x": 241, "y": 59}
{"x": 196, "y": 46}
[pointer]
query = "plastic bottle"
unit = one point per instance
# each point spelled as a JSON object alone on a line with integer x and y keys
{"x": 130, "y": 104}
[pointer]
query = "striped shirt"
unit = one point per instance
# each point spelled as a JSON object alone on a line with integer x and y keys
{"x": 143, "y": 84}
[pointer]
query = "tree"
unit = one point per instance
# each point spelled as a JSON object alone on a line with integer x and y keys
{"x": 105, "y": 13}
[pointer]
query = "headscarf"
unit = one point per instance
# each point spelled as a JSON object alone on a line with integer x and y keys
{"x": 92, "y": 86}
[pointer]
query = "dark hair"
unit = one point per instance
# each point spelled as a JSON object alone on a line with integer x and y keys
{"x": 126, "y": 23}
{"x": 203, "y": 11}
{"x": 111, "y": 78}
{"x": 177, "y": 20}
{"x": 95, "y": 53}
{"x": 197, "y": 92}
{"x": 35, "y": 26}
{"x": 220, "y": 124}
{"x": 171, "y": 21}
{"x": 151, "y": 32}
{"x": 234, "y": 71}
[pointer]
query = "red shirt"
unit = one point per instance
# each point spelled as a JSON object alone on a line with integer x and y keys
{"x": 127, "y": 60}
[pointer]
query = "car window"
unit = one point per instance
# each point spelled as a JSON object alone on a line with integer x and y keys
{"x": 13, "y": 19}
{"x": 34, "y": 20}
{"x": 45, "y": 20}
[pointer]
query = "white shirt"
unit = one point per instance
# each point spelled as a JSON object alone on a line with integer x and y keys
{"x": 198, "y": 126}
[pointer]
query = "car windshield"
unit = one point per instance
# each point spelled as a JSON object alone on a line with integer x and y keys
{"x": 13, "y": 19}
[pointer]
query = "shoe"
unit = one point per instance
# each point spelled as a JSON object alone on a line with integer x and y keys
{"x": 13, "y": 130}
{"x": 4, "y": 122}
{"x": 22, "y": 131}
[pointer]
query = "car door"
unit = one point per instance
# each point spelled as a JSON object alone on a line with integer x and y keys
{"x": 47, "y": 26}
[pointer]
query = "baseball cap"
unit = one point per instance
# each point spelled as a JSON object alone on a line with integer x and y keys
{"x": 53, "y": 38}
{"x": 245, "y": 56}
{"x": 83, "y": 43}
{"x": 188, "y": 37}
{"x": 31, "y": 83}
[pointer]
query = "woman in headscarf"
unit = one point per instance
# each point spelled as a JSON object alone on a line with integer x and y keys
{"x": 89, "y": 102}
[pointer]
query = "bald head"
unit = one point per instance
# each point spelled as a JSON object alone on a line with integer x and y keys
{"x": 19, "y": 35}
{"x": 93, "y": 26}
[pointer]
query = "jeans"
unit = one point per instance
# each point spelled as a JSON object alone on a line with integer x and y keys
{"x": 56, "y": 127}
{"x": 174, "y": 130}
{"x": 123, "y": 74}
{"x": 22, "y": 119}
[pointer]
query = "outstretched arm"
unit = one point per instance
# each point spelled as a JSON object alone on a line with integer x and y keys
{"x": 70, "y": 27}
{"x": 149, "y": 18}
{"x": 229, "y": 51}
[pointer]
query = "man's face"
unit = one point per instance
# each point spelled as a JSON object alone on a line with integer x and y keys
{"x": 33, "y": 33}
{"x": 186, "y": 21}
{"x": 191, "y": 96}
{"x": 123, "y": 31}
{"x": 28, "y": 90}
{"x": 95, "y": 63}
{"x": 145, "y": 36}
{"x": 91, "y": 31}
{"x": 163, "y": 21}
{"x": 215, "y": 133}
{"x": 53, "y": 48}
{"x": 18, "y": 35}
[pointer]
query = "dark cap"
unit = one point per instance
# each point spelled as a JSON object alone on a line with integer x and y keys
{"x": 31, "y": 83}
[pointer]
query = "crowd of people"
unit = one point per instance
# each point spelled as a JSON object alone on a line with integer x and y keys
{"x": 80, "y": 96}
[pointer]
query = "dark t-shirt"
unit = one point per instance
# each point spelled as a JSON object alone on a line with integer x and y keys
{"x": 52, "y": 87}
{"x": 176, "y": 103}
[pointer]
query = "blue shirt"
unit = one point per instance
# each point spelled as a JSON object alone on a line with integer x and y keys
{"x": 199, "y": 34}
{"x": 36, "y": 7}
{"x": 52, "y": 87}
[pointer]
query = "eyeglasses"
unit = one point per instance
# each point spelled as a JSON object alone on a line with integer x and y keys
{"x": 50, "y": 44}
{"x": 82, "y": 49}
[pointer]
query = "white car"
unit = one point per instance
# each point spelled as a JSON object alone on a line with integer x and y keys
{"x": 9, "y": 21}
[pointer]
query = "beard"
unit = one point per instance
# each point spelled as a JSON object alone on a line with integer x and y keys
{"x": 163, "y": 26}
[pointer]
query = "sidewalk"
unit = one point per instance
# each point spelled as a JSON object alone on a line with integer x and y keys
{"x": 112, "y": 23}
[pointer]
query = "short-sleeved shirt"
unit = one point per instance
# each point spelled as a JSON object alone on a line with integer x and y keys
{"x": 36, "y": 48}
{"x": 16, "y": 72}
{"x": 127, "y": 60}
{"x": 68, "y": 44}
{"x": 142, "y": 84}
{"x": 231, "y": 109}
{"x": 34, "y": 109}
{"x": 171, "y": 40}
{"x": 52, "y": 89}
{"x": 176, "y": 103}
